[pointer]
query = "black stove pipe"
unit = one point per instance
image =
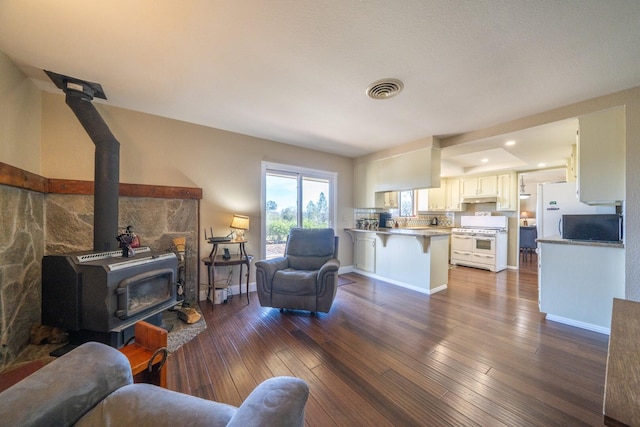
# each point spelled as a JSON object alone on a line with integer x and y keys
{"x": 107, "y": 165}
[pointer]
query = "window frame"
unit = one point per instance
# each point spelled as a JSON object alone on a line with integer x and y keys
{"x": 302, "y": 172}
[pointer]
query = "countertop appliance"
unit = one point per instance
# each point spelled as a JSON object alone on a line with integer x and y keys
{"x": 592, "y": 227}
{"x": 557, "y": 199}
{"x": 384, "y": 217}
{"x": 481, "y": 242}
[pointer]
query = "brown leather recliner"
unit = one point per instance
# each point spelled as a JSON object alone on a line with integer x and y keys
{"x": 306, "y": 277}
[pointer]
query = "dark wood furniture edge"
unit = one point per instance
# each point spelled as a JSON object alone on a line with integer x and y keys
{"x": 608, "y": 421}
{"x": 622, "y": 377}
{"x": 16, "y": 177}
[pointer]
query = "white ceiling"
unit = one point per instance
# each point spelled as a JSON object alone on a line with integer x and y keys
{"x": 540, "y": 147}
{"x": 297, "y": 71}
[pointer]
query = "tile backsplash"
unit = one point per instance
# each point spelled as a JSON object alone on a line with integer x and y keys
{"x": 372, "y": 216}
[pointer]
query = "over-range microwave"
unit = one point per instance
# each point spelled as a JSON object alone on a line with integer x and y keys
{"x": 594, "y": 227}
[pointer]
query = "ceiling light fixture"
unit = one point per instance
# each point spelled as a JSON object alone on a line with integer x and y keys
{"x": 384, "y": 89}
{"x": 510, "y": 143}
{"x": 523, "y": 194}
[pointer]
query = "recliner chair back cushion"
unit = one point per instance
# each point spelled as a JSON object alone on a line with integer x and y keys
{"x": 309, "y": 249}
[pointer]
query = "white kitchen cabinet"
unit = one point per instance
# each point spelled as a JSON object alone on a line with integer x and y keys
{"x": 486, "y": 186}
{"x": 415, "y": 169}
{"x": 443, "y": 199}
{"x": 431, "y": 199}
{"x": 365, "y": 179}
{"x": 365, "y": 252}
{"x": 437, "y": 198}
{"x": 452, "y": 196}
{"x": 423, "y": 199}
{"x": 572, "y": 168}
{"x": 387, "y": 200}
{"x": 601, "y": 156}
{"x": 507, "y": 192}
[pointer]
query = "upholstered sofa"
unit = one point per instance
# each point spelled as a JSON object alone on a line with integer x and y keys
{"x": 306, "y": 277}
{"x": 92, "y": 386}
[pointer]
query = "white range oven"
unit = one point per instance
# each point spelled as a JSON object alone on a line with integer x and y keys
{"x": 480, "y": 242}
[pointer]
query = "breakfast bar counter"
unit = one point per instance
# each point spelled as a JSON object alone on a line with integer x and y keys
{"x": 415, "y": 258}
{"x": 594, "y": 243}
{"x": 578, "y": 280}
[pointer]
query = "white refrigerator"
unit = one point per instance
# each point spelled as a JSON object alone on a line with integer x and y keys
{"x": 559, "y": 198}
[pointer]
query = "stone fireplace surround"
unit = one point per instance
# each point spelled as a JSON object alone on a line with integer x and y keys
{"x": 41, "y": 216}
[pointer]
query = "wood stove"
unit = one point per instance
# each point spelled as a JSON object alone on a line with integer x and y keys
{"x": 101, "y": 295}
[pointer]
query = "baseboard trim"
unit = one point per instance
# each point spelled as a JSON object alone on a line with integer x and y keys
{"x": 579, "y": 324}
{"x": 402, "y": 284}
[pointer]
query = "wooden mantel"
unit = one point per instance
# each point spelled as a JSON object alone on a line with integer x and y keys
{"x": 16, "y": 177}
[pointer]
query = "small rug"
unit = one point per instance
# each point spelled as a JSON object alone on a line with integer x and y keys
{"x": 343, "y": 280}
{"x": 181, "y": 331}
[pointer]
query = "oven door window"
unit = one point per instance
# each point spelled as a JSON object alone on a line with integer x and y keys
{"x": 484, "y": 244}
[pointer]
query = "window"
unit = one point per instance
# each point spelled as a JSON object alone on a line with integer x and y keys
{"x": 294, "y": 197}
{"x": 407, "y": 202}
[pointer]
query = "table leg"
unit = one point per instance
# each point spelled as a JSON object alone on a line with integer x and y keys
{"x": 208, "y": 281}
{"x": 211, "y": 292}
{"x": 248, "y": 272}
{"x": 240, "y": 282}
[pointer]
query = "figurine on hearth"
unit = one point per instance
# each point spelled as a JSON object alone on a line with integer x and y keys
{"x": 128, "y": 241}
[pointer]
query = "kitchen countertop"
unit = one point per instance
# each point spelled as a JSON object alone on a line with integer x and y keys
{"x": 561, "y": 241}
{"x": 422, "y": 234}
{"x": 409, "y": 231}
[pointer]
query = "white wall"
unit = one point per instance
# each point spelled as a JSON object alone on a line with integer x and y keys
{"x": 19, "y": 118}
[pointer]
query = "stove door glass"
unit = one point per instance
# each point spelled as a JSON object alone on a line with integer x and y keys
{"x": 144, "y": 291}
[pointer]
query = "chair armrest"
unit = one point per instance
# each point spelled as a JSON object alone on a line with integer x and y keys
{"x": 278, "y": 401}
{"x": 149, "y": 405}
{"x": 328, "y": 268}
{"x": 65, "y": 389}
{"x": 266, "y": 269}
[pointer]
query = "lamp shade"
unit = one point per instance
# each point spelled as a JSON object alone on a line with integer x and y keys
{"x": 240, "y": 222}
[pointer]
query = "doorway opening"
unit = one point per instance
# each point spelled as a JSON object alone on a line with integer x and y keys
{"x": 530, "y": 211}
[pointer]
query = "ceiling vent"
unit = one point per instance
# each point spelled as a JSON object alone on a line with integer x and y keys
{"x": 385, "y": 88}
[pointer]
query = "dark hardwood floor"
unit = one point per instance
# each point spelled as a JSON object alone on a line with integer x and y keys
{"x": 478, "y": 353}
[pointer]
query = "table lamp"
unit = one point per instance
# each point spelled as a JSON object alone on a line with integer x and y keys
{"x": 240, "y": 223}
{"x": 524, "y": 215}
